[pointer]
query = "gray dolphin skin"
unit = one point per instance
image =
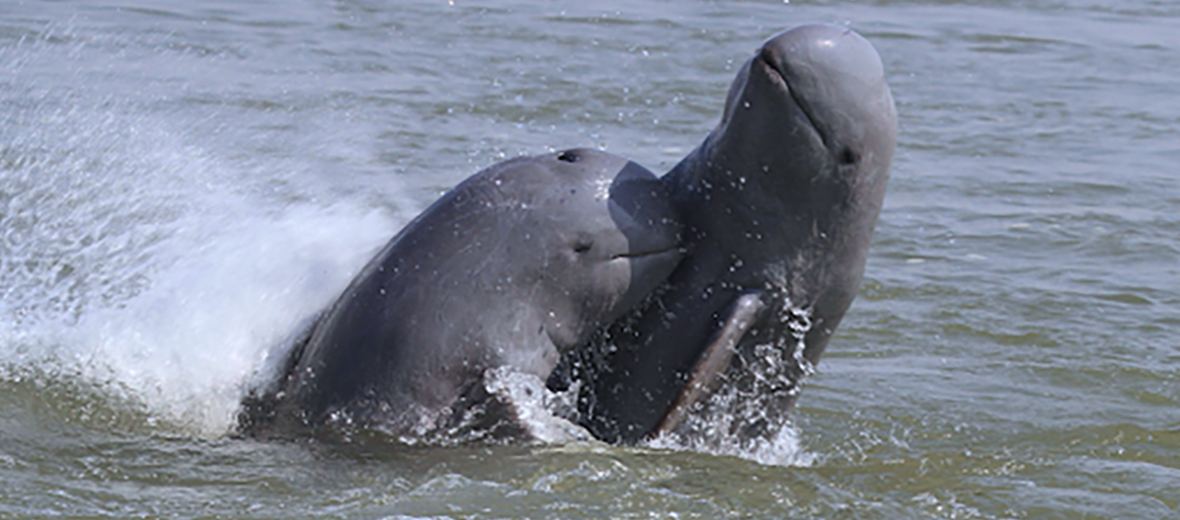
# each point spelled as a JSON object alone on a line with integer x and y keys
{"x": 779, "y": 204}
{"x": 511, "y": 268}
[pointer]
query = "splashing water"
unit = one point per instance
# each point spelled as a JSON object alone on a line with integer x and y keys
{"x": 783, "y": 448}
{"x": 147, "y": 266}
{"x": 143, "y": 266}
{"x": 746, "y": 416}
{"x": 508, "y": 405}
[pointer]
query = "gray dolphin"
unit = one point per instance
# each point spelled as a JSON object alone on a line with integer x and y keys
{"x": 779, "y": 204}
{"x": 511, "y": 268}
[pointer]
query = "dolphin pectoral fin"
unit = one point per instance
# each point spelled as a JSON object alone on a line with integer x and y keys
{"x": 742, "y": 315}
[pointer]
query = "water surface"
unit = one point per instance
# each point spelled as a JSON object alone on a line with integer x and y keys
{"x": 181, "y": 184}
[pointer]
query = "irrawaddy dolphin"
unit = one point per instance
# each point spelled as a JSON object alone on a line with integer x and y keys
{"x": 779, "y": 204}
{"x": 511, "y": 268}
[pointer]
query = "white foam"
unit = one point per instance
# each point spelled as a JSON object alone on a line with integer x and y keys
{"x": 188, "y": 347}
{"x": 142, "y": 263}
{"x": 783, "y": 448}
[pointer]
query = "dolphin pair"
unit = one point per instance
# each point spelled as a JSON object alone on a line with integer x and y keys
{"x": 748, "y": 253}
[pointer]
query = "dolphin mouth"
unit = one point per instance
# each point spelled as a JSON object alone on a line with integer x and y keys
{"x": 821, "y": 69}
{"x": 776, "y": 70}
{"x": 651, "y": 264}
{"x": 650, "y": 254}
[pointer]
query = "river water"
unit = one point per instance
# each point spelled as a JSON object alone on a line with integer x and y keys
{"x": 183, "y": 183}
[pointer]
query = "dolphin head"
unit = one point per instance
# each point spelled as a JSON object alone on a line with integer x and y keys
{"x": 812, "y": 115}
{"x": 604, "y": 232}
{"x": 798, "y": 164}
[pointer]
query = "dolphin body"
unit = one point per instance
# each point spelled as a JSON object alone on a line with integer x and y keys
{"x": 779, "y": 204}
{"x": 511, "y": 268}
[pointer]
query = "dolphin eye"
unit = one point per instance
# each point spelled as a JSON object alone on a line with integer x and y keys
{"x": 847, "y": 156}
{"x": 568, "y": 156}
{"x": 583, "y": 246}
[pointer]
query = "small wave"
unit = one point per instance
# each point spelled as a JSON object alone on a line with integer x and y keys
{"x": 782, "y": 447}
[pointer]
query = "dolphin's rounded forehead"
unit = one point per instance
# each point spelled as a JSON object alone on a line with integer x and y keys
{"x": 598, "y": 169}
{"x": 595, "y": 233}
{"x": 836, "y": 77}
{"x": 827, "y": 51}
{"x": 580, "y": 173}
{"x": 621, "y": 194}
{"x": 577, "y": 196}
{"x": 634, "y": 198}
